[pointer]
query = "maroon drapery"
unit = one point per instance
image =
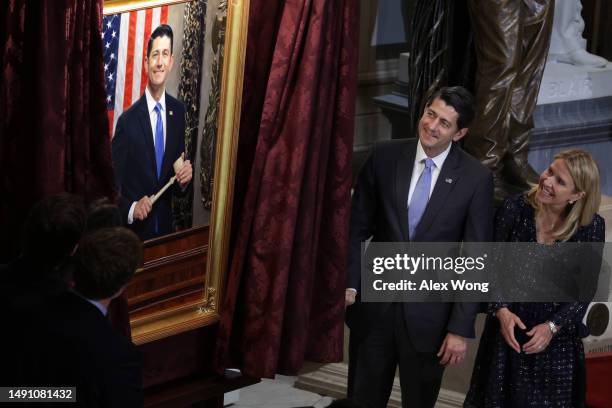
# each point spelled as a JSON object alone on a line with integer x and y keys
{"x": 285, "y": 293}
{"x": 54, "y": 128}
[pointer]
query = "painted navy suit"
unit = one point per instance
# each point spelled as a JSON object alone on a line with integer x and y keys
{"x": 135, "y": 166}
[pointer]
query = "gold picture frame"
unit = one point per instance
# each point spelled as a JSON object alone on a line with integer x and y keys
{"x": 180, "y": 285}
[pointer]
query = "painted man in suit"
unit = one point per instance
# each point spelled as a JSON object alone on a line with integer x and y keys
{"x": 150, "y": 136}
{"x": 425, "y": 190}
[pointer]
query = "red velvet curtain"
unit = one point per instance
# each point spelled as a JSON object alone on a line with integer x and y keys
{"x": 598, "y": 371}
{"x": 54, "y": 128}
{"x": 285, "y": 292}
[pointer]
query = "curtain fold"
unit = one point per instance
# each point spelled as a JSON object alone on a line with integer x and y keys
{"x": 54, "y": 127}
{"x": 284, "y": 297}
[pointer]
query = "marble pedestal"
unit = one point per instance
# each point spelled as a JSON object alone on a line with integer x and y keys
{"x": 585, "y": 124}
{"x": 565, "y": 82}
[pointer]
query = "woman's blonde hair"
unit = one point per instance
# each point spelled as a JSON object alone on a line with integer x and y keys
{"x": 585, "y": 174}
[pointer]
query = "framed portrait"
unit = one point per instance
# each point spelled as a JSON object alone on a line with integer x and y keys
{"x": 180, "y": 284}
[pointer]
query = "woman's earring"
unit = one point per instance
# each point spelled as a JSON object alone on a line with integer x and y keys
{"x": 571, "y": 202}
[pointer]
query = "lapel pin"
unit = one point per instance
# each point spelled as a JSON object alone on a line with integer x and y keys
{"x": 449, "y": 180}
{"x": 170, "y": 112}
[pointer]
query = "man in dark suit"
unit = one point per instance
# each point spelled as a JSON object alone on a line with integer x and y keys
{"x": 425, "y": 190}
{"x": 70, "y": 342}
{"x": 51, "y": 233}
{"x": 149, "y": 138}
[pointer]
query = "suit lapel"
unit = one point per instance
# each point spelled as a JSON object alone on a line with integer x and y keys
{"x": 403, "y": 174}
{"x": 449, "y": 175}
{"x": 147, "y": 133}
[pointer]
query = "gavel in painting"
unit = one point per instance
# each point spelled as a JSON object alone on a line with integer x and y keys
{"x": 177, "y": 165}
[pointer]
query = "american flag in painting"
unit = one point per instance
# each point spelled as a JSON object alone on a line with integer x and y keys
{"x": 124, "y": 41}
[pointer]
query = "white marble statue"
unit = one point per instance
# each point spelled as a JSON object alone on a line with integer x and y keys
{"x": 567, "y": 44}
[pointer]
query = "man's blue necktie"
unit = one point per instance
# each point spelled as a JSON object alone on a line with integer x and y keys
{"x": 420, "y": 197}
{"x": 159, "y": 140}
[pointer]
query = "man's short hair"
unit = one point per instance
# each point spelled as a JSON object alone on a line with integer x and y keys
{"x": 102, "y": 213}
{"x": 53, "y": 228}
{"x": 460, "y": 99}
{"x": 164, "y": 30}
{"x": 105, "y": 261}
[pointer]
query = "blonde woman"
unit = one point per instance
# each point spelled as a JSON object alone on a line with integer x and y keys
{"x": 548, "y": 368}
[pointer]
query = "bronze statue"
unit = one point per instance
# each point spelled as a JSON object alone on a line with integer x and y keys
{"x": 511, "y": 40}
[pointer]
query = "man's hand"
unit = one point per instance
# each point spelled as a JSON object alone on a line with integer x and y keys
{"x": 540, "y": 338}
{"x": 349, "y": 297}
{"x": 142, "y": 208}
{"x": 507, "y": 322}
{"x": 453, "y": 349}
{"x": 185, "y": 173}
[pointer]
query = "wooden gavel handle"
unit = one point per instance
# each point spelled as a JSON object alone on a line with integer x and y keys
{"x": 163, "y": 190}
{"x": 178, "y": 163}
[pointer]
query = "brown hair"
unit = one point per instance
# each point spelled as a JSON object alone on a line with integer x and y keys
{"x": 105, "y": 261}
{"x": 53, "y": 228}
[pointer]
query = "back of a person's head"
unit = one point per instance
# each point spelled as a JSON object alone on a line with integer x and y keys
{"x": 105, "y": 261}
{"x": 102, "y": 213}
{"x": 53, "y": 229}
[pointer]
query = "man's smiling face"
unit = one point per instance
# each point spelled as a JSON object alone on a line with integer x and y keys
{"x": 438, "y": 127}
{"x": 159, "y": 62}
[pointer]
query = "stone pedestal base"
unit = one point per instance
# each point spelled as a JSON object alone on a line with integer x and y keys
{"x": 566, "y": 82}
{"x": 584, "y": 124}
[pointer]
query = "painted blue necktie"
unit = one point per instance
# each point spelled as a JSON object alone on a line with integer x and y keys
{"x": 420, "y": 197}
{"x": 159, "y": 140}
{"x": 159, "y": 150}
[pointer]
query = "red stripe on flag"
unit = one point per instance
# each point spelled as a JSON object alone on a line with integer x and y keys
{"x": 145, "y": 46}
{"x": 111, "y": 116}
{"x": 129, "y": 63}
{"x": 163, "y": 19}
